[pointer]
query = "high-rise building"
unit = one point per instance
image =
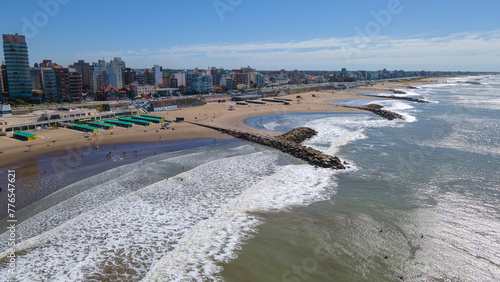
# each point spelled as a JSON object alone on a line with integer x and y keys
{"x": 202, "y": 84}
{"x": 181, "y": 79}
{"x": 17, "y": 66}
{"x": 128, "y": 76}
{"x": 158, "y": 75}
{"x": 115, "y": 72}
{"x": 98, "y": 68}
{"x": 149, "y": 77}
{"x": 62, "y": 82}
{"x": 75, "y": 84}
{"x": 36, "y": 77}
{"x": 102, "y": 80}
{"x": 49, "y": 84}
{"x": 104, "y": 74}
{"x": 83, "y": 68}
{"x": 215, "y": 76}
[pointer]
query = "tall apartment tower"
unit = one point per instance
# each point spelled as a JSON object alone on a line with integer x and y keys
{"x": 83, "y": 68}
{"x": 215, "y": 76}
{"x": 158, "y": 75}
{"x": 17, "y": 65}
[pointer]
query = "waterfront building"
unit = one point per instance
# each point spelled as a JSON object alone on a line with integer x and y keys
{"x": 36, "y": 77}
{"x": 128, "y": 76}
{"x": 84, "y": 70}
{"x": 49, "y": 85}
{"x": 181, "y": 79}
{"x": 75, "y": 85}
{"x": 62, "y": 82}
{"x": 115, "y": 72}
{"x": 202, "y": 84}
{"x": 214, "y": 72}
{"x": 158, "y": 75}
{"x": 149, "y": 77}
{"x": 17, "y": 66}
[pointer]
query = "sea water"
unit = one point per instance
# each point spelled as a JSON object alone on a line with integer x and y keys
{"x": 419, "y": 201}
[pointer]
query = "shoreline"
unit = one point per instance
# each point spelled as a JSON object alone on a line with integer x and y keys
{"x": 50, "y": 141}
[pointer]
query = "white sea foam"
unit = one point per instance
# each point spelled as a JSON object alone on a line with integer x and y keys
{"x": 334, "y": 132}
{"x": 123, "y": 238}
{"x": 98, "y": 190}
{"x": 215, "y": 240}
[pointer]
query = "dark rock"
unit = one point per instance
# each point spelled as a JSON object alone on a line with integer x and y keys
{"x": 398, "y": 98}
{"x": 377, "y": 109}
{"x": 397, "y": 91}
{"x": 298, "y": 135}
{"x": 288, "y": 143}
{"x": 374, "y": 106}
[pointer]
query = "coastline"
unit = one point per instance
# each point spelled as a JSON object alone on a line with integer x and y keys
{"x": 17, "y": 152}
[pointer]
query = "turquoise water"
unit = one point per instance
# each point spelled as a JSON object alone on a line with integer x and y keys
{"x": 419, "y": 202}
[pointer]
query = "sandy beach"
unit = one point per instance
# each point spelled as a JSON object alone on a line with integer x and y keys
{"x": 218, "y": 114}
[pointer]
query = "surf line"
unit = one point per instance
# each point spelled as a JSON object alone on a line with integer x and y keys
{"x": 288, "y": 143}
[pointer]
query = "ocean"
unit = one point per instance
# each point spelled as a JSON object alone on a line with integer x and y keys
{"x": 420, "y": 201}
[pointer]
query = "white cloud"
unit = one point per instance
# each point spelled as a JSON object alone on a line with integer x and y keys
{"x": 459, "y": 51}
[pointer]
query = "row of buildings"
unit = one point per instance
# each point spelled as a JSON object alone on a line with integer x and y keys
{"x": 48, "y": 81}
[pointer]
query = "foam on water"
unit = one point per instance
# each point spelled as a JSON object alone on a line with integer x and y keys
{"x": 122, "y": 239}
{"x": 215, "y": 240}
{"x": 335, "y": 132}
{"x": 403, "y": 108}
{"x": 93, "y": 192}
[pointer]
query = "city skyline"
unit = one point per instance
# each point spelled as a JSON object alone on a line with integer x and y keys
{"x": 367, "y": 35}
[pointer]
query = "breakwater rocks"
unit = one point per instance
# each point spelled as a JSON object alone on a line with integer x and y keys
{"x": 377, "y": 109}
{"x": 396, "y": 91}
{"x": 298, "y": 135}
{"x": 287, "y": 143}
{"x": 398, "y": 98}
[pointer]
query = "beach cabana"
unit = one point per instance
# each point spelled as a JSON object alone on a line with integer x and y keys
{"x": 102, "y": 125}
{"x": 136, "y": 121}
{"x": 155, "y": 120}
{"x": 25, "y": 136}
{"x": 153, "y": 116}
{"x": 84, "y": 128}
{"x": 118, "y": 123}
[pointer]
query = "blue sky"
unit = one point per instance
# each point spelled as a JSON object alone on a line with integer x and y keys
{"x": 290, "y": 34}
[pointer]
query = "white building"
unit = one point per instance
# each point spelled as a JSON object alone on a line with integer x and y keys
{"x": 113, "y": 70}
{"x": 145, "y": 89}
{"x": 181, "y": 79}
{"x": 158, "y": 75}
{"x": 116, "y": 78}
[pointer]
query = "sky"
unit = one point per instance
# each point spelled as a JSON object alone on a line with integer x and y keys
{"x": 264, "y": 34}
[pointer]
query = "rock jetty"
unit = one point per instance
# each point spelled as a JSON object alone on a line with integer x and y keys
{"x": 288, "y": 143}
{"x": 398, "y": 98}
{"x": 377, "y": 109}
{"x": 396, "y": 91}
